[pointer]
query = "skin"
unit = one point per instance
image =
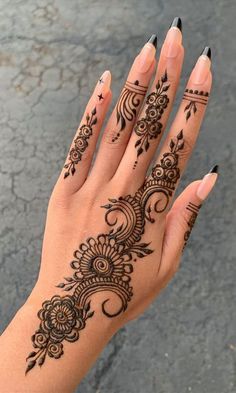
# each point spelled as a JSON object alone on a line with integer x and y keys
{"x": 74, "y": 214}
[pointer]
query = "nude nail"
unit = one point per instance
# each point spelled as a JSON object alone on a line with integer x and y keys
{"x": 201, "y": 69}
{"x": 103, "y": 87}
{"x": 147, "y": 55}
{"x": 173, "y": 41}
{"x": 207, "y": 183}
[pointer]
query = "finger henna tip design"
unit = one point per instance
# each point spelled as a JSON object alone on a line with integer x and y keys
{"x": 149, "y": 126}
{"x": 105, "y": 263}
{"x": 194, "y": 209}
{"x": 194, "y": 97}
{"x": 80, "y": 143}
{"x": 129, "y": 101}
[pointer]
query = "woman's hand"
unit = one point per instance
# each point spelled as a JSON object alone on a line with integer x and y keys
{"x": 112, "y": 240}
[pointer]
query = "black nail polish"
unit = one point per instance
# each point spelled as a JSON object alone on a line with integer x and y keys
{"x": 215, "y": 169}
{"x": 177, "y": 22}
{"x": 207, "y": 52}
{"x": 153, "y": 40}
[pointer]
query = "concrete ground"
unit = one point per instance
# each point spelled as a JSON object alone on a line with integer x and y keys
{"x": 51, "y": 54}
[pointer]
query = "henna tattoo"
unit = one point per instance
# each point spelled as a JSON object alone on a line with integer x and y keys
{"x": 149, "y": 127}
{"x": 80, "y": 143}
{"x": 194, "y": 97}
{"x": 105, "y": 263}
{"x": 194, "y": 209}
{"x": 129, "y": 101}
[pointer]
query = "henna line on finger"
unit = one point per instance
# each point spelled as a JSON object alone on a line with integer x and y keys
{"x": 194, "y": 209}
{"x": 194, "y": 97}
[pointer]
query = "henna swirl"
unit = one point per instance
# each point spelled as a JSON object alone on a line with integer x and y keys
{"x": 105, "y": 263}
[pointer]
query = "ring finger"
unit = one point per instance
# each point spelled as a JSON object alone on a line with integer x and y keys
{"x": 183, "y": 134}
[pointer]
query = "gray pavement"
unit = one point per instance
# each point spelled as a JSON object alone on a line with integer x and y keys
{"x": 51, "y": 54}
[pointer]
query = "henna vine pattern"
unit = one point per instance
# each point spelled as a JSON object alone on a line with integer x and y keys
{"x": 127, "y": 105}
{"x": 105, "y": 263}
{"x": 194, "y": 97}
{"x": 194, "y": 209}
{"x": 80, "y": 143}
{"x": 149, "y": 127}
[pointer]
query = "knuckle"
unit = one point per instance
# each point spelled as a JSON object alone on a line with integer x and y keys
{"x": 115, "y": 140}
{"x": 187, "y": 149}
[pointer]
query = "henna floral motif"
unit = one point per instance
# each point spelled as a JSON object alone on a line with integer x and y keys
{"x": 80, "y": 144}
{"x": 194, "y": 97}
{"x": 194, "y": 209}
{"x": 149, "y": 127}
{"x": 127, "y": 105}
{"x": 105, "y": 263}
{"x": 61, "y": 319}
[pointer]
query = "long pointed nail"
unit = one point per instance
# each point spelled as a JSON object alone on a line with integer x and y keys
{"x": 206, "y": 52}
{"x": 103, "y": 87}
{"x": 177, "y": 22}
{"x": 202, "y": 68}
{"x": 147, "y": 55}
{"x": 173, "y": 40}
{"x": 207, "y": 183}
{"x": 153, "y": 40}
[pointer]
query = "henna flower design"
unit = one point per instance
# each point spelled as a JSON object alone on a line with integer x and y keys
{"x": 105, "y": 263}
{"x": 80, "y": 144}
{"x": 102, "y": 257}
{"x": 61, "y": 320}
{"x": 149, "y": 127}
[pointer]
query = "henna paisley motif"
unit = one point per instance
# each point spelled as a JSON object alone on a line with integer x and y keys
{"x": 128, "y": 104}
{"x": 105, "y": 263}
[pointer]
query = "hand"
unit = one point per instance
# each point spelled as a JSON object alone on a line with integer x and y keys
{"x": 112, "y": 240}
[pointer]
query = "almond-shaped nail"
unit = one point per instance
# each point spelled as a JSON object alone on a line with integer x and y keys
{"x": 103, "y": 87}
{"x": 173, "y": 40}
{"x": 147, "y": 55}
{"x": 202, "y": 67}
{"x": 207, "y": 183}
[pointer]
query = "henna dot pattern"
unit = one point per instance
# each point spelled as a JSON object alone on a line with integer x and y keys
{"x": 194, "y": 97}
{"x": 80, "y": 143}
{"x": 105, "y": 263}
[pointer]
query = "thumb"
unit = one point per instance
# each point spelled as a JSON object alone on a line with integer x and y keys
{"x": 182, "y": 216}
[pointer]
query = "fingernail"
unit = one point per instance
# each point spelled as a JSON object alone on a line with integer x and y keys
{"x": 153, "y": 40}
{"x": 173, "y": 40}
{"x": 146, "y": 56}
{"x": 177, "y": 22}
{"x": 103, "y": 87}
{"x": 202, "y": 67}
{"x": 206, "y": 52}
{"x": 207, "y": 183}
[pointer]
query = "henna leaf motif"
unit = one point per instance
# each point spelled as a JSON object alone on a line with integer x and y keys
{"x": 149, "y": 126}
{"x": 105, "y": 262}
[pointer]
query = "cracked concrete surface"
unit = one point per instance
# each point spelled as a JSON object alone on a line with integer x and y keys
{"x": 51, "y": 54}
